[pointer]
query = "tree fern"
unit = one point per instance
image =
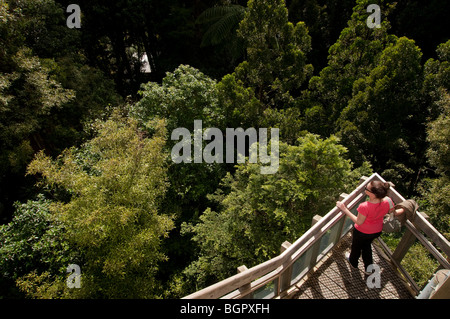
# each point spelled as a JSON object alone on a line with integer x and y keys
{"x": 223, "y": 22}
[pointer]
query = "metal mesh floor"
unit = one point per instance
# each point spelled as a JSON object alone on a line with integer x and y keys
{"x": 334, "y": 278}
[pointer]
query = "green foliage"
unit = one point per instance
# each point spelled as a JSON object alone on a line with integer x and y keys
{"x": 33, "y": 241}
{"x": 223, "y": 22}
{"x": 43, "y": 286}
{"x": 185, "y": 95}
{"x": 240, "y": 106}
{"x": 275, "y": 65}
{"x": 116, "y": 184}
{"x": 418, "y": 261}
{"x": 325, "y": 21}
{"x": 435, "y": 191}
{"x": 262, "y": 90}
{"x": 387, "y": 104}
{"x": 437, "y": 76}
{"x": 352, "y": 57}
{"x": 94, "y": 95}
{"x": 114, "y": 198}
{"x": 420, "y": 264}
{"x": 47, "y": 92}
{"x": 27, "y": 96}
{"x": 439, "y": 138}
{"x": 258, "y": 212}
{"x": 436, "y": 204}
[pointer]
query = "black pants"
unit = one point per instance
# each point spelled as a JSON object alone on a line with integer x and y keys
{"x": 361, "y": 245}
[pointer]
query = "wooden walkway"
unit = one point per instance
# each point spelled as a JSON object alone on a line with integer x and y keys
{"x": 334, "y": 278}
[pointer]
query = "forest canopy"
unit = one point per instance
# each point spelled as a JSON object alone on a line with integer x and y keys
{"x": 86, "y": 175}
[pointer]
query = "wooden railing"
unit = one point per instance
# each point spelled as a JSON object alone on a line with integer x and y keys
{"x": 274, "y": 277}
{"x": 417, "y": 229}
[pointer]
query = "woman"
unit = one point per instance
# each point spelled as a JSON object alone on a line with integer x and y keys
{"x": 368, "y": 223}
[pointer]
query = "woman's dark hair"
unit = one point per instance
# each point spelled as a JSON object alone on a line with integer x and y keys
{"x": 379, "y": 189}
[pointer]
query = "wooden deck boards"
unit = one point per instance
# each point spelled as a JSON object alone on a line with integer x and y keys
{"x": 334, "y": 278}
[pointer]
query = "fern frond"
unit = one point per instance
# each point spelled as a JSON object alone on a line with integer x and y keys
{"x": 223, "y": 20}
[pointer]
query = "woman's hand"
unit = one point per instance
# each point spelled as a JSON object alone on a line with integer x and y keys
{"x": 398, "y": 211}
{"x": 341, "y": 206}
{"x": 356, "y": 219}
{"x": 344, "y": 208}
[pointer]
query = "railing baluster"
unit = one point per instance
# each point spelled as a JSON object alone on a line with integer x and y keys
{"x": 403, "y": 246}
{"x": 245, "y": 290}
{"x": 284, "y": 281}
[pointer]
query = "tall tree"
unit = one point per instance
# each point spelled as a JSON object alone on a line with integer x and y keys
{"x": 435, "y": 188}
{"x": 185, "y": 95}
{"x": 115, "y": 184}
{"x": 352, "y": 57}
{"x": 325, "y": 20}
{"x": 437, "y": 74}
{"x": 275, "y": 65}
{"x": 28, "y": 95}
{"x": 274, "y": 70}
{"x": 384, "y": 121}
{"x": 424, "y": 21}
{"x": 47, "y": 93}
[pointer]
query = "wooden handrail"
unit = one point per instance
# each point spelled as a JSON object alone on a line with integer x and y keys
{"x": 423, "y": 224}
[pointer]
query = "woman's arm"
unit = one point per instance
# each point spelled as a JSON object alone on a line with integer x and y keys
{"x": 359, "y": 220}
{"x": 399, "y": 211}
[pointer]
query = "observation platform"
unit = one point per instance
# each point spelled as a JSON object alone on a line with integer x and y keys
{"x": 334, "y": 278}
{"x": 314, "y": 266}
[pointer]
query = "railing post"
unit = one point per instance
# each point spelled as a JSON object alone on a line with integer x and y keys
{"x": 285, "y": 278}
{"x": 245, "y": 290}
{"x": 342, "y": 221}
{"x": 316, "y": 246}
{"x": 315, "y": 219}
{"x": 405, "y": 243}
{"x": 362, "y": 179}
{"x": 402, "y": 248}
